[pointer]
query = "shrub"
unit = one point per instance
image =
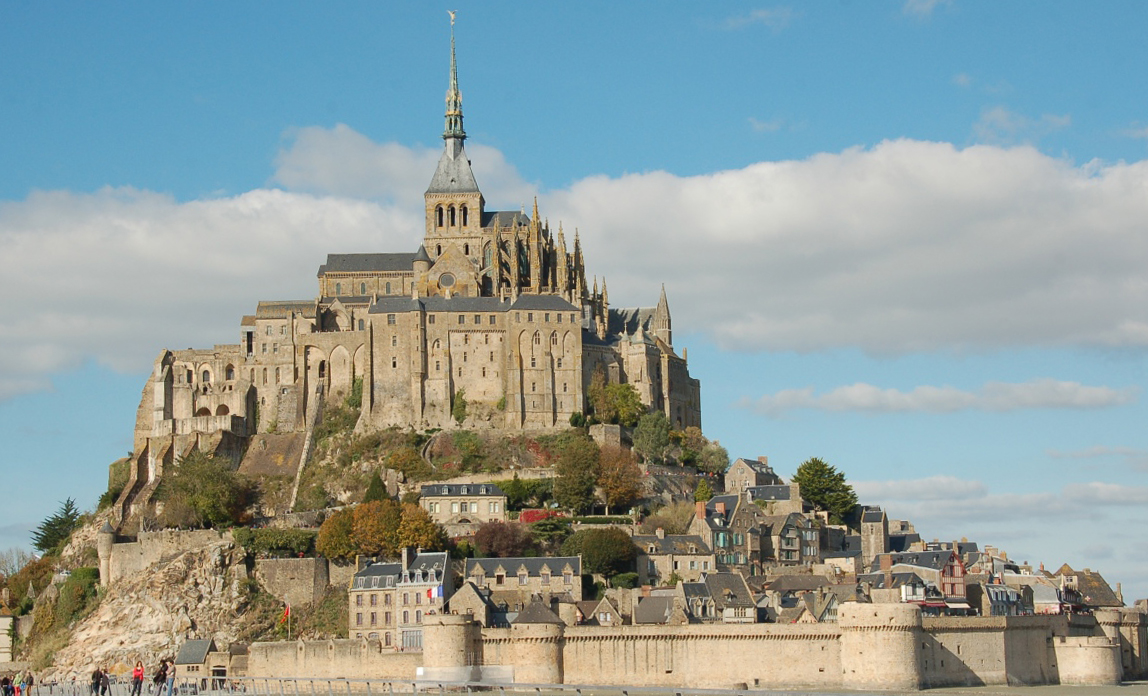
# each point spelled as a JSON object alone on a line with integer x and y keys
{"x": 286, "y": 542}
{"x": 626, "y": 581}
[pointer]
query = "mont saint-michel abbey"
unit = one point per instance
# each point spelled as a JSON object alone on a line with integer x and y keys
{"x": 494, "y": 307}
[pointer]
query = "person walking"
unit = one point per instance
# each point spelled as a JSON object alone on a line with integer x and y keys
{"x": 160, "y": 678}
{"x": 137, "y": 679}
{"x": 96, "y": 675}
{"x": 29, "y": 681}
{"x": 170, "y": 677}
{"x": 105, "y": 682}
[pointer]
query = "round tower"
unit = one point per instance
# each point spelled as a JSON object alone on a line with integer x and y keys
{"x": 879, "y": 646}
{"x": 450, "y": 645}
{"x": 104, "y": 540}
{"x": 537, "y": 652}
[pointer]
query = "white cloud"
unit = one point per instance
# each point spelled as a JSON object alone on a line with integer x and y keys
{"x": 776, "y": 18}
{"x": 771, "y": 126}
{"x": 994, "y": 396}
{"x": 932, "y": 488}
{"x": 1000, "y": 126}
{"x": 1135, "y": 458}
{"x": 1107, "y": 494}
{"x": 906, "y": 246}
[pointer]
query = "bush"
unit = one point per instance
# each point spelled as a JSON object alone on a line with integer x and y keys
{"x": 77, "y": 595}
{"x": 275, "y": 542}
{"x": 604, "y": 551}
{"x": 203, "y": 491}
{"x": 626, "y": 581}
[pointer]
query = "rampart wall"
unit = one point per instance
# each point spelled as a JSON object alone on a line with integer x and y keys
{"x": 332, "y": 659}
{"x": 298, "y": 580}
{"x": 871, "y": 647}
{"x": 136, "y": 556}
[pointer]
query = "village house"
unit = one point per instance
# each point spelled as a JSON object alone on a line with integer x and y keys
{"x": 747, "y": 473}
{"x": 462, "y": 508}
{"x": 662, "y": 557}
{"x": 508, "y": 585}
{"x": 719, "y": 598}
{"x": 389, "y": 600}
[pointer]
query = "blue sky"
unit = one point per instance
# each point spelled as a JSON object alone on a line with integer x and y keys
{"x": 907, "y": 237}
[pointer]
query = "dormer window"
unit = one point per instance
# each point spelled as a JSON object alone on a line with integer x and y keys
{"x": 463, "y": 490}
{"x": 482, "y": 490}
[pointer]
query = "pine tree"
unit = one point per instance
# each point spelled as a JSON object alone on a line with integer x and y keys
{"x": 55, "y": 531}
{"x": 375, "y": 489}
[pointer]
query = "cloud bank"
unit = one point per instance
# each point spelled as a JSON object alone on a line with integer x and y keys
{"x": 901, "y": 247}
{"x": 994, "y": 396}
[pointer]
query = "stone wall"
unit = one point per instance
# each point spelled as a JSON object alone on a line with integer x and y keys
{"x": 873, "y": 647}
{"x": 332, "y": 659}
{"x": 134, "y": 557}
{"x": 297, "y": 580}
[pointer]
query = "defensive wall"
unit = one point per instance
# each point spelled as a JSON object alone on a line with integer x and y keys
{"x": 119, "y": 560}
{"x": 872, "y": 646}
{"x": 297, "y": 580}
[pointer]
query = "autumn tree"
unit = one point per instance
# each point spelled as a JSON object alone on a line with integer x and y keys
{"x": 577, "y": 472}
{"x": 619, "y": 477}
{"x": 375, "y": 528}
{"x": 825, "y": 487}
{"x": 419, "y": 530}
{"x": 652, "y": 436}
{"x": 503, "y": 539}
{"x": 335, "y": 535}
{"x": 674, "y": 518}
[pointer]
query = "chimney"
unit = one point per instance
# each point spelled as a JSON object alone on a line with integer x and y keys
{"x": 661, "y": 533}
{"x": 720, "y": 507}
{"x": 887, "y": 569}
{"x": 408, "y": 556}
{"x": 700, "y": 509}
{"x": 763, "y": 459}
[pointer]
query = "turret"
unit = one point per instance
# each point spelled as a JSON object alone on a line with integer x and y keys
{"x": 104, "y": 541}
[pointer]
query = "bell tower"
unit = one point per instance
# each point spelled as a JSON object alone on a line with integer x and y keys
{"x": 454, "y": 205}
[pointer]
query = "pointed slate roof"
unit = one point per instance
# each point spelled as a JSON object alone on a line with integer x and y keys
{"x": 536, "y": 613}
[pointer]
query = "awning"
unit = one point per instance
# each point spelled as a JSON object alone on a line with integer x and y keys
{"x": 957, "y": 604}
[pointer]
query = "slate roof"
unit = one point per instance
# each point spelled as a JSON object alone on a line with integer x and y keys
{"x": 1092, "y": 587}
{"x": 654, "y": 610}
{"x": 536, "y": 613}
{"x": 728, "y": 590}
{"x": 756, "y": 466}
{"x": 729, "y": 500}
{"x": 769, "y": 492}
{"x": 389, "y": 574}
{"x": 282, "y": 309}
{"x": 504, "y": 218}
{"x": 935, "y": 560}
{"x": 900, "y": 543}
{"x": 194, "y": 652}
{"x": 453, "y": 174}
{"x": 543, "y": 302}
{"x": 477, "y": 489}
{"x": 873, "y": 514}
{"x": 696, "y": 589}
{"x": 533, "y": 565}
{"x": 877, "y": 580}
{"x": 797, "y": 583}
{"x": 346, "y": 299}
{"x": 627, "y": 321}
{"x": 367, "y": 263}
{"x": 678, "y": 544}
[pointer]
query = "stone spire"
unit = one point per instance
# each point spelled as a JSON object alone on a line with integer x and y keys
{"x": 453, "y": 95}
{"x": 662, "y": 325}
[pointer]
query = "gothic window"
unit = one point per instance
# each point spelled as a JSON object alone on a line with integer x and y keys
{"x": 265, "y": 375}
{"x": 537, "y": 339}
{"x": 438, "y": 216}
{"x": 487, "y": 256}
{"x": 553, "y": 339}
{"x": 277, "y": 378}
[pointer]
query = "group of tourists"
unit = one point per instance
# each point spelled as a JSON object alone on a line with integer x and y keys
{"x": 18, "y": 684}
{"x": 163, "y": 681}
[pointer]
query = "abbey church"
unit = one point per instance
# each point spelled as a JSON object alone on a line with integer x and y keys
{"x": 493, "y": 308}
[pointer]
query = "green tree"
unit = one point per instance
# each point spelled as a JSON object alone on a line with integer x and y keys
{"x": 626, "y": 403}
{"x": 606, "y": 551}
{"x": 335, "y": 535}
{"x": 55, "y": 530}
{"x": 652, "y": 436}
{"x": 458, "y": 406}
{"x": 376, "y": 490}
{"x": 619, "y": 477}
{"x": 551, "y": 532}
{"x": 825, "y": 487}
{"x": 713, "y": 459}
{"x": 203, "y": 491}
{"x": 577, "y": 472}
{"x": 703, "y": 492}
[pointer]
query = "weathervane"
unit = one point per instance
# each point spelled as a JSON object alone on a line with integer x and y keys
{"x": 451, "y": 13}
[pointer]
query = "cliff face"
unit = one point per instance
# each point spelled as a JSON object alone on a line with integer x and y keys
{"x": 193, "y": 593}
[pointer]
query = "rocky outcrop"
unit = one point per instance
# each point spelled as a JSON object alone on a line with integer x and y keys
{"x": 193, "y": 593}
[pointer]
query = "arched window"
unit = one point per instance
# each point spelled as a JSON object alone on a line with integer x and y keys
{"x": 265, "y": 375}
{"x": 464, "y": 216}
{"x": 362, "y": 325}
{"x": 466, "y": 249}
{"x": 452, "y": 216}
{"x": 537, "y": 339}
{"x": 388, "y": 288}
{"x": 438, "y": 216}
{"x": 438, "y": 250}
{"x": 230, "y": 372}
{"x": 277, "y": 379}
{"x": 206, "y": 377}
{"x": 222, "y": 410}
{"x": 362, "y": 288}
{"x": 338, "y": 288}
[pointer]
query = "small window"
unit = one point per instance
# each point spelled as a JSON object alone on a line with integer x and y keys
{"x": 430, "y": 319}
{"x": 546, "y": 317}
{"x": 362, "y": 325}
{"x": 559, "y": 362}
{"x": 477, "y": 319}
{"x": 532, "y": 361}
{"x": 338, "y": 288}
{"x": 394, "y": 341}
{"x": 530, "y": 316}
{"x": 491, "y": 320}
{"x": 388, "y": 287}
{"x": 391, "y": 319}
{"x": 394, "y": 363}
{"x": 362, "y": 288}
{"x": 461, "y": 319}
{"x": 559, "y": 318}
